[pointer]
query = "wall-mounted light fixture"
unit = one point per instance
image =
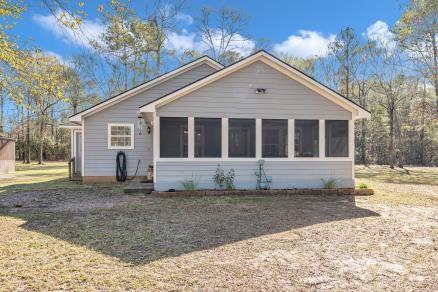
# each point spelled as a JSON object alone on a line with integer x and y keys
{"x": 260, "y": 91}
{"x": 140, "y": 124}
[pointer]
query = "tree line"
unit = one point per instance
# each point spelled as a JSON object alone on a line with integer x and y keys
{"x": 395, "y": 78}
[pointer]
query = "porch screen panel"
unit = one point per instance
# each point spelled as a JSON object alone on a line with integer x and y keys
{"x": 241, "y": 137}
{"x": 208, "y": 133}
{"x": 336, "y": 138}
{"x": 274, "y": 138}
{"x": 173, "y": 137}
{"x": 306, "y": 138}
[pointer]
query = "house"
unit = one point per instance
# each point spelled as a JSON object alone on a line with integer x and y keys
{"x": 187, "y": 122}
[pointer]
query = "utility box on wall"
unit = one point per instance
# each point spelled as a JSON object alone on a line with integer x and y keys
{"x": 7, "y": 155}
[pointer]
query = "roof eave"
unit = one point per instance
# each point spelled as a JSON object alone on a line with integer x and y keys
{"x": 203, "y": 60}
{"x": 357, "y": 111}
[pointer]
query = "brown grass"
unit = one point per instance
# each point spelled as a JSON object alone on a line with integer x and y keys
{"x": 97, "y": 238}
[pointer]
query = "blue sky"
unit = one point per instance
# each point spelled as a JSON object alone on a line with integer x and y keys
{"x": 300, "y": 28}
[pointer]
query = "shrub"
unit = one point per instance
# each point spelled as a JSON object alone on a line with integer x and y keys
{"x": 363, "y": 185}
{"x": 189, "y": 184}
{"x": 229, "y": 179}
{"x": 222, "y": 180}
{"x": 329, "y": 183}
{"x": 219, "y": 178}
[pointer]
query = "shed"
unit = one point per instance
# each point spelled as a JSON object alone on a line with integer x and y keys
{"x": 7, "y": 155}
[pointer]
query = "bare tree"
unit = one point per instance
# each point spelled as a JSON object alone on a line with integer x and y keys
{"x": 223, "y": 33}
{"x": 393, "y": 86}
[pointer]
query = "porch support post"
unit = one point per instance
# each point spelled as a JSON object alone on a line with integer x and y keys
{"x": 191, "y": 137}
{"x": 72, "y": 143}
{"x": 321, "y": 138}
{"x": 224, "y": 137}
{"x": 351, "y": 145}
{"x": 291, "y": 138}
{"x": 156, "y": 142}
{"x": 83, "y": 148}
{"x": 258, "y": 138}
{"x": 351, "y": 139}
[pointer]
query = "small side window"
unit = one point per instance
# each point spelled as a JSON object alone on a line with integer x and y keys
{"x": 120, "y": 136}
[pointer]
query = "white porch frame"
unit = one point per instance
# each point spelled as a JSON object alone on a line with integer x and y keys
{"x": 258, "y": 147}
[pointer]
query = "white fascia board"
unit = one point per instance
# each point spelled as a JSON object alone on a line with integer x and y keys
{"x": 203, "y": 60}
{"x": 194, "y": 86}
{"x": 71, "y": 127}
{"x": 356, "y": 111}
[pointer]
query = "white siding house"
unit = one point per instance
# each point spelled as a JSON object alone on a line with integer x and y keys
{"x": 203, "y": 115}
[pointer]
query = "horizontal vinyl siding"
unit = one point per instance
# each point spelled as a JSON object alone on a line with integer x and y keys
{"x": 234, "y": 96}
{"x": 101, "y": 161}
{"x": 285, "y": 174}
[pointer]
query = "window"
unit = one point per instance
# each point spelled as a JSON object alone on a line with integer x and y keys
{"x": 336, "y": 138}
{"x": 306, "y": 138}
{"x": 173, "y": 137}
{"x": 208, "y": 137}
{"x": 241, "y": 138}
{"x": 120, "y": 136}
{"x": 274, "y": 138}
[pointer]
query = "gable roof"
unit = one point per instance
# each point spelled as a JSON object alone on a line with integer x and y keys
{"x": 144, "y": 86}
{"x": 357, "y": 110}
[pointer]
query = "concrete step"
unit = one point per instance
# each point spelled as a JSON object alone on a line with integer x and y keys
{"x": 138, "y": 187}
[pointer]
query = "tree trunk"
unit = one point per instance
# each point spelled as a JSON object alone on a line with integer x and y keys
{"x": 391, "y": 137}
{"x": 1, "y": 109}
{"x": 27, "y": 152}
{"x": 422, "y": 121}
{"x": 363, "y": 146}
{"x": 435, "y": 69}
{"x": 40, "y": 156}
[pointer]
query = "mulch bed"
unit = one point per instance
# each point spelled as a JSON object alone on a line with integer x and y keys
{"x": 337, "y": 191}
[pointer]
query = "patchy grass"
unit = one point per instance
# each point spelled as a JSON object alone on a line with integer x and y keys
{"x": 411, "y": 185}
{"x": 49, "y": 176}
{"x": 97, "y": 238}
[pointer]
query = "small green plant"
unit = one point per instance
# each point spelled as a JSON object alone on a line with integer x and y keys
{"x": 189, "y": 184}
{"x": 363, "y": 185}
{"x": 329, "y": 183}
{"x": 219, "y": 178}
{"x": 229, "y": 179}
{"x": 222, "y": 180}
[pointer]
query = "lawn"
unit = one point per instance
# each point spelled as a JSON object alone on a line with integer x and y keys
{"x": 56, "y": 235}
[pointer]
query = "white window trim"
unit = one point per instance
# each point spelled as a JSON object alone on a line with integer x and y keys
{"x": 321, "y": 138}
{"x": 123, "y": 125}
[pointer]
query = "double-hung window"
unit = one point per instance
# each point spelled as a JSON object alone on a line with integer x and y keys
{"x": 173, "y": 137}
{"x": 306, "y": 138}
{"x": 274, "y": 138}
{"x": 120, "y": 136}
{"x": 336, "y": 138}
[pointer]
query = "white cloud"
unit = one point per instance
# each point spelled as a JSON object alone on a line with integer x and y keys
{"x": 192, "y": 41}
{"x": 183, "y": 41}
{"x": 380, "y": 33}
{"x": 307, "y": 44}
{"x": 60, "y": 58}
{"x": 88, "y": 30}
{"x": 184, "y": 18}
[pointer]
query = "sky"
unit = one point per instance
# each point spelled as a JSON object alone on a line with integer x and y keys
{"x": 301, "y": 28}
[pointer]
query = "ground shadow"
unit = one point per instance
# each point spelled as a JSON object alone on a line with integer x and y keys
{"x": 146, "y": 229}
